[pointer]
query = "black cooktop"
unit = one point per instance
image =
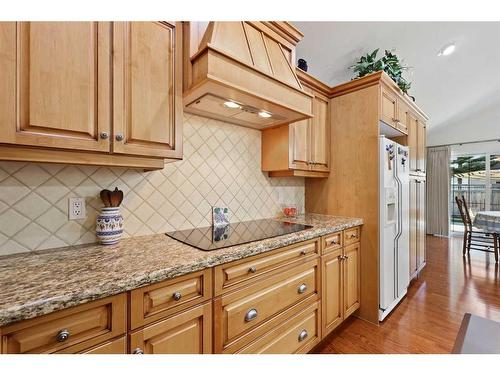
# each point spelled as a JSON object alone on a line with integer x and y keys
{"x": 212, "y": 238}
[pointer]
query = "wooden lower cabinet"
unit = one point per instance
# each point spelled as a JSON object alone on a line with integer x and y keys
{"x": 340, "y": 283}
{"x": 351, "y": 274}
{"x": 237, "y": 313}
{"x": 295, "y": 335}
{"x": 69, "y": 331}
{"x": 117, "y": 346}
{"x": 189, "y": 332}
{"x": 284, "y": 301}
{"x": 417, "y": 225}
{"x": 333, "y": 313}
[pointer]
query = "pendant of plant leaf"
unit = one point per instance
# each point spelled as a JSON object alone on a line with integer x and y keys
{"x": 389, "y": 63}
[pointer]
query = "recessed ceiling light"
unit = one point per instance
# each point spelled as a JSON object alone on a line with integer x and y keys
{"x": 230, "y": 104}
{"x": 264, "y": 114}
{"x": 447, "y": 50}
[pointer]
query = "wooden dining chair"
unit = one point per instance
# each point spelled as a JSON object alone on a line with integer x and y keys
{"x": 475, "y": 238}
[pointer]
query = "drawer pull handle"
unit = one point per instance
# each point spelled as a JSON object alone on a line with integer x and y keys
{"x": 177, "y": 296}
{"x": 252, "y": 269}
{"x": 250, "y": 315}
{"x": 63, "y": 335}
{"x": 303, "y": 335}
{"x": 334, "y": 242}
{"x": 302, "y": 288}
{"x": 354, "y": 235}
{"x": 138, "y": 351}
{"x": 303, "y": 252}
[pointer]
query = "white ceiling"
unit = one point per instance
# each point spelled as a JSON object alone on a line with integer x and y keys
{"x": 447, "y": 88}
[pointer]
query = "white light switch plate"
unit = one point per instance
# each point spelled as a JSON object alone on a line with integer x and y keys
{"x": 76, "y": 209}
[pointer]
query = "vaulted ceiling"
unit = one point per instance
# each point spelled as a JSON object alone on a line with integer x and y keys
{"x": 450, "y": 89}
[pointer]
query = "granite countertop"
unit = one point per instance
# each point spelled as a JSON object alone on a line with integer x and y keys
{"x": 42, "y": 282}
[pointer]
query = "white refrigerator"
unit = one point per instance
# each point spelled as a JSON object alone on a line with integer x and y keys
{"x": 394, "y": 225}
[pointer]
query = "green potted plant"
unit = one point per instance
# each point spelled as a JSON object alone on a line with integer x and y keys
{"x": 389, "y": 63}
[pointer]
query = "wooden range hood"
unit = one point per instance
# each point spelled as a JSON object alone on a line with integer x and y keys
{"x": 242, "y": 73}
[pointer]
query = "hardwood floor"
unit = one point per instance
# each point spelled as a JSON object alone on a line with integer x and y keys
{"x": 428, "y": 319}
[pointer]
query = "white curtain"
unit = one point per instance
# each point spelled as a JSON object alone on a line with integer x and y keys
{"x": 438, "y": 190}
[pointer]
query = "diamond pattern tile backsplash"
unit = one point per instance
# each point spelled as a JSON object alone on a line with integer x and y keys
{"x": 221, "y": 166}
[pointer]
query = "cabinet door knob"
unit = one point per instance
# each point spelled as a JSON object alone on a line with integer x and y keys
{"x": 63, "y": 335}
{"x": 303, "y": 335}
{"x": 104, "y": 135}
{"x": 302, "y": 288}
{"x": 138, "y": 351}
{"x": 252, "y": 269}
{"x": 303, "y": 252}
{"x": 177, "y": 296}
{"x": 251, "y": 315}
{"x": 119, "y": 137}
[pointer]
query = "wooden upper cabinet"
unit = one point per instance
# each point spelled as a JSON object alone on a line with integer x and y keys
{"x": 56, "y": 89}
{"x": 147, "y": 105}
{"x": 403, "y": 117}
{"x": 320, "y": 134}
{"x": 421, "y": 147}
{"x": 388, "y": 107}
{"x": 301, "y": 148}
{"x": 413, "y": 140}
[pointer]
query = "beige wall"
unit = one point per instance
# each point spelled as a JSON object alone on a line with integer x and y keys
{"x": 221, "y": 166}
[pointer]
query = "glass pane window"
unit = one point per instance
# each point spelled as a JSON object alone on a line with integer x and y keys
{"x": 469, "y": 176}
{"x": 495, "y": 182}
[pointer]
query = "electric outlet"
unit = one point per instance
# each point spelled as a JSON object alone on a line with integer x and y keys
{"x": 77, "y": 208}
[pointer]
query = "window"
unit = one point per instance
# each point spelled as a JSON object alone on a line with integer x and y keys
{"x": 477, "y": 178}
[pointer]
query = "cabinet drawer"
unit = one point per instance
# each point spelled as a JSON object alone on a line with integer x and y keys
{"x": 351, "y": 235}
{"x": 332, "y": 242}
{"x": 241, "y": 311}
{"x": 298, "y": 334}
{"x": 157, "y": 301}
{"x": 189, "y": 332}
{"x": 227, "y": 276}
{"x": 117, "y": 346}
{"x": 76, "y": 328}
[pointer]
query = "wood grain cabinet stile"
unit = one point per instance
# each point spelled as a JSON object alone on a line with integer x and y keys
{"x": 98, "y": 93}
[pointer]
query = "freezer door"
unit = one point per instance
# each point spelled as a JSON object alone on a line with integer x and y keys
{"x": 388, "y": 215}
{"x": 403, "y": 236}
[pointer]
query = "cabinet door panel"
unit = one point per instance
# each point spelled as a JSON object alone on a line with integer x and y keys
{"x": 351, "y": 275}
{"x": 300, "y": 153}
{"x": 332, "y": 291}
{"x": 421, "y": 225}
{"x": 185, "y": 333}
{"x": 147, "y": 89}
{"x": 320, "y": 135}
{"x": 402, "y": 119}
{"x": 421, "y": 154}
{"x": 413, "y": 141}
{"x": 413, "y": 228}
{"x": 388, "y": 110}
{"x": 62, "y": 84}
